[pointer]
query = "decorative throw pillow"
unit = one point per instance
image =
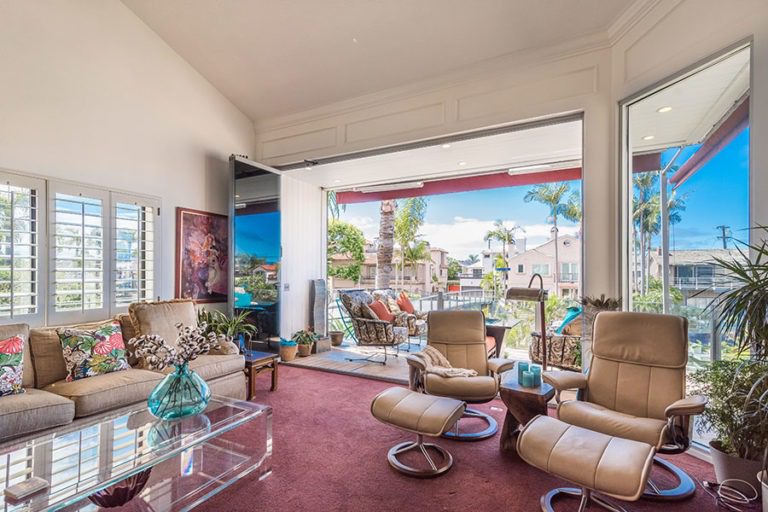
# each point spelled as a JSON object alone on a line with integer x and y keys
{"x": 96, "y": 352}
{"x": 11, "y": 365}
{"x": 393, "y": 306}
{"x": 381, "y": 311}
{"x": 367, "y": 312}
{"x": 405, "y": 303}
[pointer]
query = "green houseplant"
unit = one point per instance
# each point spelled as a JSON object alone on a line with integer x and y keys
{"x": 737, "y": 389}
{"x": 305, "y": 338}
{"x": 236, "y": 328}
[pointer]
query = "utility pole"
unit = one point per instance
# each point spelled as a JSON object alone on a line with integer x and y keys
{"x": 725, "y": 235}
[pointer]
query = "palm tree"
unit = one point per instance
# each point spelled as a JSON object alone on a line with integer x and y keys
{"x": 415, "y": 253}
{"x": 472, "y": 259}
{"x": 386, "y": 247}
{"x": 506, "y": 236}
{"x": 551, "y": 195}
{"x": 408, "y": 220}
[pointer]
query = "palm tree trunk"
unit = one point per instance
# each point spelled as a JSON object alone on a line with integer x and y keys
{"x": 556, "y": 273}
{"x": 386, "y": 244}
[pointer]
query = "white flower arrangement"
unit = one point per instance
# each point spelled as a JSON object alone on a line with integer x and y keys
{"x": 190, "y": 344}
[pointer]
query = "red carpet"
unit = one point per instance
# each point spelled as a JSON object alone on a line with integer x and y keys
{"x": 330, "y": 455}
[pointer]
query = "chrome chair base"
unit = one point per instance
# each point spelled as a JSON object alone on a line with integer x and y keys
{"x": 684, "y": 490}
{"x": 457, "y": 435}
{"x": 371, "y": 357}
{"x": 433, "y": 471}
{"x": 586, "y": 495}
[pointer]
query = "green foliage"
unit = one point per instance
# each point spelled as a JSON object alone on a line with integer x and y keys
{"x": 305, "y": 337}
{"x": 334, "y": 208}
{"x": 348, "y": 240}
{"x": 414, "y": 253}
{"x": 221, "y": 324}
{"x": 472, "y": 259}
{"x": 258, "y": 287}
{"x": 409, "y": 219}
{"x": 742, "y": 310}
{"x": 652, "y": 300}
{"x": 736, "y": 410}
{"x": 454, "y": 269}
{"x": 551, "y": 195}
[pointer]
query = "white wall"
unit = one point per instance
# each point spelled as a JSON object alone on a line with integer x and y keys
{"x": 650, "y": 42}
{"x": 302, "y": 229}
{"x": 89, "y": 93}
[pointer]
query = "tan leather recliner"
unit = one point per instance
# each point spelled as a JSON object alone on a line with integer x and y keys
{"x": 460, "y": 337}
{"x": 635, "y": 388}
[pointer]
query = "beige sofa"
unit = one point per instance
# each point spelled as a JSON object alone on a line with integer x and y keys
{"x": 50, "y": 401}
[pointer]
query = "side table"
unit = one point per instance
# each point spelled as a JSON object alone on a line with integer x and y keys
{"x": 523, "y": 404}
{"x": 256, "y": 363}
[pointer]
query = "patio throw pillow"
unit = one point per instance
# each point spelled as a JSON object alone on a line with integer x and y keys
{"x": 11, "y": 365}
{"x": 96, "y": 352}
{"x": 381, "y": 311}
{"x": 405, "y": 303}
{"x": 367, "y": 312}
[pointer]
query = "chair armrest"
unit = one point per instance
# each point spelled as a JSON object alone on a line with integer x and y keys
{"x": 562, "y": 381}
{"x": 500, "y": 365}
{"x": 689, "y": 406}
{"x": 416, "y": 361}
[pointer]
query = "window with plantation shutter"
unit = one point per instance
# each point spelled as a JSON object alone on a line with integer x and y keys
{"x": 135, "y": 227}
{"x": 79, "y": 248}
{"x": 22, "y": 203}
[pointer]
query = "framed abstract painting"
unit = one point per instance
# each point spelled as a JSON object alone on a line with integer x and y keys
{"x": 202, "y": 256}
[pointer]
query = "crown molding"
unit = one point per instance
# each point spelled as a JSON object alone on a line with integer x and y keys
{"x": 629, "y": 18}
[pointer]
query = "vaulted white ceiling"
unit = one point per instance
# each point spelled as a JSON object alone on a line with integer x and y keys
{"x": 277, "y": 57}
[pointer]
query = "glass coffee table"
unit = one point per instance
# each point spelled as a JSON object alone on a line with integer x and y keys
{"x": 132, "y": 461}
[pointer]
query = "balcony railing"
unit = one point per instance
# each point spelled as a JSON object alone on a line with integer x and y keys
{"x": 569, "y": 277}
{"x": 704, "y": 282}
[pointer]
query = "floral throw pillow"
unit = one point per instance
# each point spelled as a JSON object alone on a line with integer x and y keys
{"x": 11, "y": 363}
{"x": 96, "y": 352}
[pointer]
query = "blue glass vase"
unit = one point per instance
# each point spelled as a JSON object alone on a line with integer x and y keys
{"x": 180, "y": 394}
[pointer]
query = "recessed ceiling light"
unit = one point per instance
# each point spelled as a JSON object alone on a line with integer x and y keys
{"x": 445, "y": 146}
{"x": 661, "y": 110}
{"x": 462, "y": 163}
{"x": 237, "y": 196}
{"x": 649, "y": 137}
{"x": 308, "y": 167}
{"x": 354, "y": 40}
{"x": 337, "y": 181}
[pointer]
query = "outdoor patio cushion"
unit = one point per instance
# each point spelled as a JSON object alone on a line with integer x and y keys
{"x": 596, "y": 417}
{"x": 416, "y": 412}
{"x": 210, "y": 367}
{"x": 382, "y": 313}
{"x": 109, "y": 391}
{"x": 33, "y": 410}
{"x": 28, "y": 371}
{"x": 471, "y": 389}
{"x": 609, "y": 465}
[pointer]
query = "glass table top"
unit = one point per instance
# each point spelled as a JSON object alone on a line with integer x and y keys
{"x": 186, "y": 460}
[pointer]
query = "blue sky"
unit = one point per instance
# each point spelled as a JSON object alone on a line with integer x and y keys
{"x": 717, "y": 194}
{"x": 259, "y": 235}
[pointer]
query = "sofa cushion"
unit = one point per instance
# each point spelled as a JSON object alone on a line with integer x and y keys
{"x": 32, "y": 411}
{"x": 210, "y": 367}
{"x": 109, "y": 391}
{"x": 28, "y": 373}
{"x": 88, "y": 353}
{"x": 11, "y": 365}
{"x": 470, "y": 389}
{"x": 160, "y": 318}
{"x": 47, "y": 356}
{"x": 129, "y": 332}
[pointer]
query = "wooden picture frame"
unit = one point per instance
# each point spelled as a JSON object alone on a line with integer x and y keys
{"x": 202, "y": 256}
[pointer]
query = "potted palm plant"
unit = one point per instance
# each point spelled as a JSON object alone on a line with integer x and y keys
{"x": 737, "y": 389}
{"x": 305, "y": 339}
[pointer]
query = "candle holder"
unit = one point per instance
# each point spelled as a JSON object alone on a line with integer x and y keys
{"x": 536, "y": 371}
{"x": 527, "y": 381}
{"x": 522, "y": 366}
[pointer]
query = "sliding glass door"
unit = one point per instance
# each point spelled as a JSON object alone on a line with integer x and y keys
{"x": 686, "y": 196}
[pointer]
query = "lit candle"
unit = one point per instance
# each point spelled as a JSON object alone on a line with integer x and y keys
{"x": 527, "y": 381}
{"x": 522, "y": 366}
{"x": 536, "y": 371}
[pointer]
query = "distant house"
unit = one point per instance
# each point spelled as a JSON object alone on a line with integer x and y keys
{"x": 268, "y": 271}
{"x": 430, "y": 276}
{"x": 694, "y": 273}
{"x": 524, "y": 263}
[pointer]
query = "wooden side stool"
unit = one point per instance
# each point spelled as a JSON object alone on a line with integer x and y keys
{"x": 256, "y": 363}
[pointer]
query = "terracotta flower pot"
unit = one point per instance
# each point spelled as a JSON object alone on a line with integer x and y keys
{"x": 288, "y": 352}
{"x": 337, "y": 338}
{"x": 305, "y": 350}
{"x": 728, "y": 467}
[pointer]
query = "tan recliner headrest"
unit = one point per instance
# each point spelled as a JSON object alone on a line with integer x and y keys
{"x": 641, "y": 338}
{"x": 456, "y": 327}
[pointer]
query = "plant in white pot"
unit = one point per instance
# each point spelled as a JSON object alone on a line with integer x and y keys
{"x": 736, "y": 388}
